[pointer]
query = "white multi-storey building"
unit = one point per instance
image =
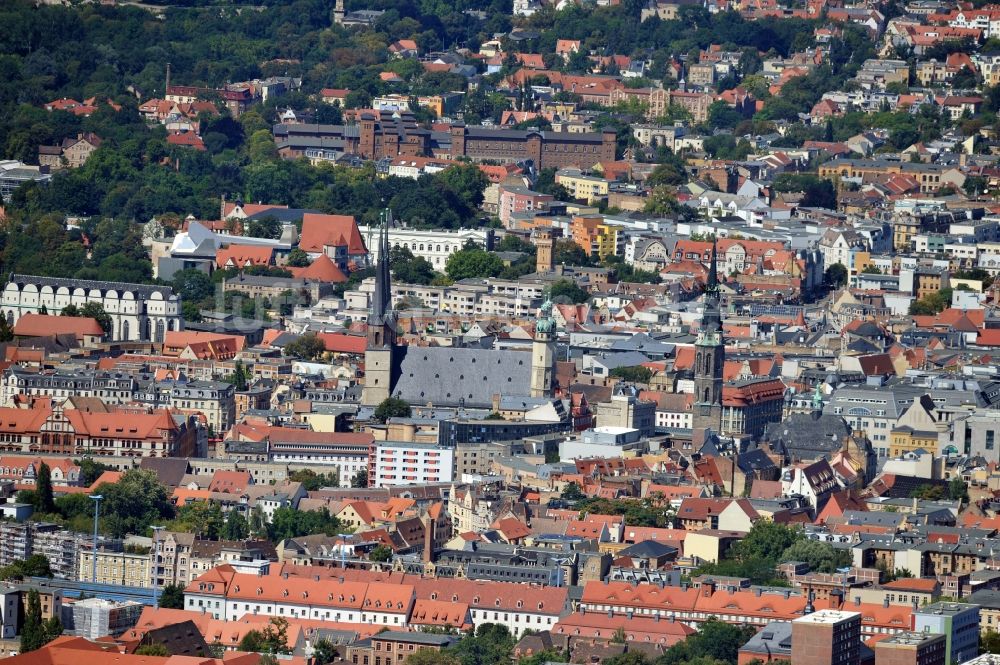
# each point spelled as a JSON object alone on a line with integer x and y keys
{"x": 434, "y": 245}
{"x": 410, "y": 464}
{"x": 138, "y": 311}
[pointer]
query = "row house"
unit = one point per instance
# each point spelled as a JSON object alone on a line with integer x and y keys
{"x": 346, "y": 453}
{"x": 228, "y": 595}
{"x": 44, "y": 429}
{"x": 756, "y": 607}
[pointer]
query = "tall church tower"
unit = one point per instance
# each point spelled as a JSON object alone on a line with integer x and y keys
{"x": 709, "y": 357}
{"x": 338, "y": 12}
{"x": 543, "y": 353}
{"x": 380, "y": 350}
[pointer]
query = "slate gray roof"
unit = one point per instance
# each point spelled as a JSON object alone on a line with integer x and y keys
{"x": 142, "y": 290}
{"x": 442, "y": 375}
{"x": 808, "y": 436}
{"x": 646, "y": 549}
{"x": 774, "y": 639}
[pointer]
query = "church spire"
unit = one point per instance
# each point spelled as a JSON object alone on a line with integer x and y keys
{"x": 382, "y": 298}
{"x": 713, "y": 270}
{"x": 711, "y": 321}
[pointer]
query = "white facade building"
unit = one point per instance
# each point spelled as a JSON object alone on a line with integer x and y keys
{"x": 138, "y": 311}
{"x": 434, "y": 245}
{"x": 410, "y": 464}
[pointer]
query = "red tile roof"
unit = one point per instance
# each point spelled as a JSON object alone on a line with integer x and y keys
{"x": 319, "y": 230}
{"x": 42, "y": 325}
{"x": 241, "y": 256}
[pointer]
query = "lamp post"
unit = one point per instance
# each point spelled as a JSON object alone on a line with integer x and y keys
{"x": 97, "y": 511}
{"x": 156, "y": 561}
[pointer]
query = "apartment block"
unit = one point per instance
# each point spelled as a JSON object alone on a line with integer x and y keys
{"x": 827, "y": 637}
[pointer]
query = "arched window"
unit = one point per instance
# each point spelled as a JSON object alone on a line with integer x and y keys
{"x": 125, "y": 330}
{"x": 705, "y": 398}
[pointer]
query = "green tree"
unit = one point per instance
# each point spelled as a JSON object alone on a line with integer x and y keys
{"x": 380, "y": 553}
{"x": 133, "y": 503}
{"x": 572, "y": 492}
{"x": 297, "y": 259}
{"x": 307, "y": 347}
{"x": 324, "y": 652}
{"x": 932, "y": 303}
{"x": 172, "y": 596}
{"x": 360, "y": 479}
{"x": 715, "y": 641}
{"x": 290, "y": 523}
{"x": 32, "y": 630}
{"x": 821, "y": 557}
{"x": 766, "y": 540}
{"x": 929, "y": 492}
{"x": 431, "y": 657}
{"x": 156, "y": 649}
{"x": 240, "y": 378}
{"x": 237, "y": 527}
{"x": 473, "y": 262}
{"x": 36, "y": 565}
{"x": 467, "y": 181}
{"x": 634, "y": 374}
{"x": 567, "y": 291}
{"x": 958, "y": 490}
{"x": 312, "y": 481}
{"x": 408, "y": 268}
{"x": 543, "y": 657}
{"x": 6, "y": 331}
{"x": 266, "y": 227}
{"x": 975, "y": 185}
{"x": 492, "y": 644}
{"x": 92, "y": 310}
{"x": 90, "y": 470}
{"x": 391, "y": 407}
{"x": 273, "y": 639}
{"x": 45, "y": 503}
{"x": 836, "y": 276}
{"x": 668, "y": 173}
{"x": 568, "y": 253}
{"x": 989, "y": 642}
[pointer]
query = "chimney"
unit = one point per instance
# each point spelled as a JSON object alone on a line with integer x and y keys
{"x": 757, "y": 591}
{"x": 428, "y": 538}
{"x": 857, "y": 601}
{"x": 708, "y": 588}
{"x": 885, "y": 602}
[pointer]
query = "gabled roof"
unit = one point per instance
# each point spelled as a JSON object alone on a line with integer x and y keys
{"x": 43, "y": 325}
{"x": 322, "y": 269}
{"x": 319, "y": 230}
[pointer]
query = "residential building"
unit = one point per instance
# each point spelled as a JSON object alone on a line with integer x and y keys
{"x": 214, "y": 399}
{"x": 115, "y": 566}
{"x": 911, "y": 648}
{"x": 827, "y": 637}
{"x": 54, "y": 429}
{"x": 409, "y": 464}
{"x": 581, "y": 186}
{"x": 392, "y": 647}
{"x": 958, "y": 622}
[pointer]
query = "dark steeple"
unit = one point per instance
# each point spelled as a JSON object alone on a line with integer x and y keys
{"x": 710, "y": 356}
{"x": 713, "y": 270}
{"x": 712, "y": 318}
{"x": 382, "y": 317}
